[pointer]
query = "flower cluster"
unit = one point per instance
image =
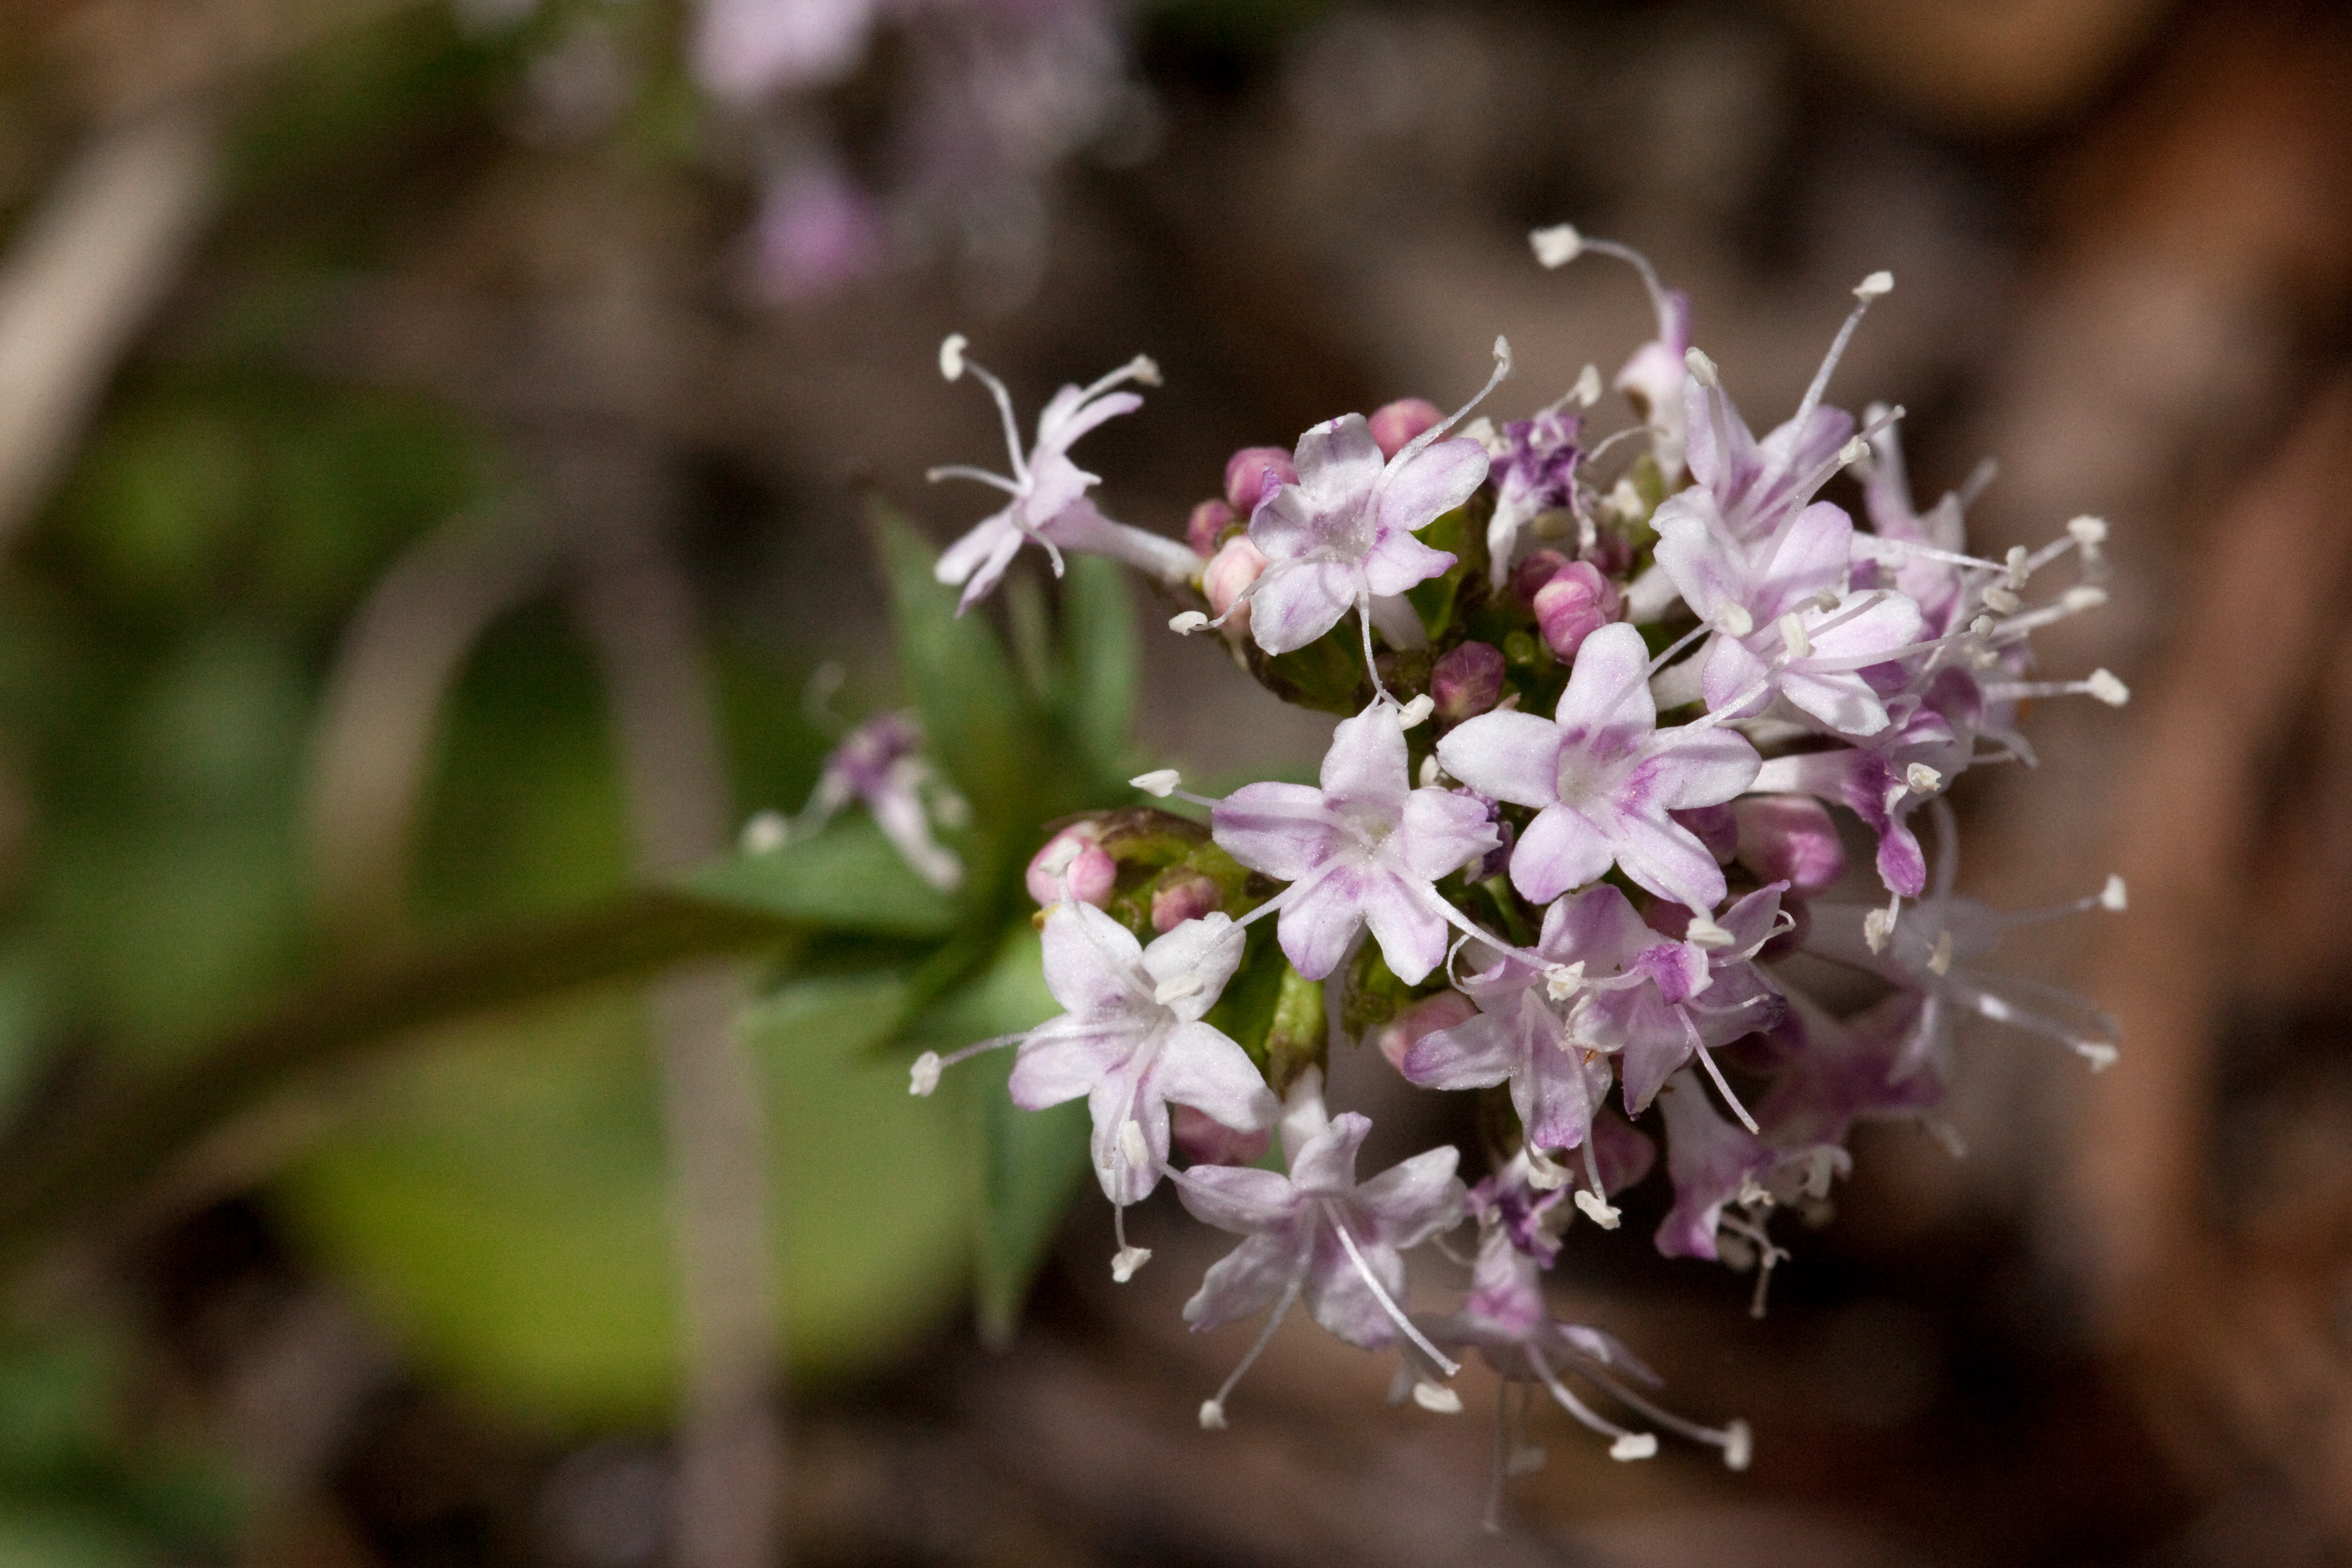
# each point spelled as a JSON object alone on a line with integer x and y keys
{"x": 1612, "y": 712}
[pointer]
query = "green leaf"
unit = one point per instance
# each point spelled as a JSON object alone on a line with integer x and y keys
{"x": 1104, "y": 657}
{"x": 850, "y": 878}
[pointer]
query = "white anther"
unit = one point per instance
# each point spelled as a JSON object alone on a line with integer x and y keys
{"x": 1131, "y": 1144}
{"x": 1417, "y": 711}
{"x": 2112, "y": 897}
{"x": 1161, "y": 782}
{"x": 1598, "y": 1209}
{"x": 924, "y": 1076}
{"x": 2085, "y": 597}
{"x": 1735, "y": 620}
{"x": 2001, "y": 601}
{"x": 1436, "y": 1396}
{"x": 1876, "y": 927}
{"x": 1502, "y": 357}
{"x": 1706, "y": 934}
{"x": 2089, "y": 532}
{"x": 1635, "y": 1446}
{"x": 1939, "y": 962}
{"x": 1145, "y": 369}
{"x": 2020, "y": 565}
{"x": 1792, "y": 634}
{"x": 1556, "y": 246}
{"x": 1923, "y": 779}
{"x": 1186, "y": 621}
{"x": 1738, "y": 1446}
{"x": 1213, "y": 1415}
{"x": 1877, "y": 286}
{"x": 1175, "y": 989}
{"x": 1702, "y": 368}
{"x": 1542, "y": 1174}
{"x": 1561, "y": 979}
{"x": 1626, "y": 502}
{"x": 1587, "y": 390}
{"x": 765, "y": 833}
{"x": 951, "y": 349}
{"x": 2098, "y": 1053}
{"x": 2104, "y": 686}
{"x": 1855, "y": 451}
{"x": 1430, "y": 772}
{"x": 1128, "y": 1259}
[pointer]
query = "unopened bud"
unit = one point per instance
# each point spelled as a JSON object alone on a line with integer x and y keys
{"x": 1401, "y": 1034}
{"x": 1207, "y": 525}
{"x": 1181, "y": 898}
{"x": 1395, "y": 424}
{"x": 1574, "y": 605}
{"x": 1072, "y": 858}
{"x": 1202, "y": 1139}
{"x": 1251, "y": 471}
{"x": 1538, "y": 568}
{"x": 1230, "y": 573}
{"x": 1717, "y": 827}
{"x": 1466, "y": 682}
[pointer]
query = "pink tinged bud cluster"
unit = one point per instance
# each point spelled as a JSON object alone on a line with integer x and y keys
{"x": 1466, "y": 682}
{"x": 1577, "y": 601}
{"x": 1073, "y": 865}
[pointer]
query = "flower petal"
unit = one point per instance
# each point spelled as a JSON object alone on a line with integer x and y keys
{"x": 1559, "y": 850}
{"x": 1510, "y": 756}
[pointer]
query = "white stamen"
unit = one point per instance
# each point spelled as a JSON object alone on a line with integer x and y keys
{"x": 1635, "y": 1446}
{"x": 1587, "y": 390}
{"x": 1792, "y": 633}
{"x": 1417, "y": 711}
{"x": 1185, "y": 623}
{"x": 1145, "y": 369}
{"x": 1213, "y": 1415}
{"x": 2112, "y": 897}
{"x": 1175, "y": 989}
{"x": 1939, "y": 963}
{"x": 1502, "y": 358}
{"x": 1543, "y": 1175}
{"x": 1875, "y": 927}
{"x": 2088, "y": 531}
{"x": 1735, "y": 620}
{"x": 1852, "y": 452}
{"x": 1556, "y": 246}
{"x": 1626, "y": 502}
{"x": 1705, "y": 933}
{"x": 1436, "y": 1396}
{"x": 1430, "y": 772}
{"x": 951, "y": 349}
{"x": 1598, "y": 1209}
{"x": 2001, "y": 602}
{"x": 2086, "y": 597}
{"x": 924, "y": 1076}
{"x": 1127, "y": 1260}
{"x": 1160, "y": 782}
{"x": 1138, "y": 1151}
{"x": 1981, "y": 626}
{"x": 765, "y": 833}
{"x": 2018, "y": 565}
{"x": 1923, "y": 779}
{"x": 1738, "y": 1445}
{"x": 1561, "y": 979}
{"x": 1702, "y": 368}
{"x": 2098, "y": 1053}
{"x": 1876, "y": 285}
{"x": 2104, "y": 686}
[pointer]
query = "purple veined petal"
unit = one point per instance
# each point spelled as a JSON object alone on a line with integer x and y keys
{"x": 1406, "y": 920}
{"x": 1321, "y": 919}
{"x": 1608, "y": 693}
{"x": 1812, "y": 556}
{"x": 1326, "y": 1163}
{"x": 1686, "y": 767}
{"x": 1065, "y": 418}
{"x": 1064, "y": 1058}
{"x": 1432, "y": 482}
{"x": 1399, "y": 561}
{"x": 1093, "y": 964}
{"x": 1286, "y": 524}
{"x": 1661, "y": 854}
{"x": 1560, "y": 850}
{"x": 1510, "y": 756}
{"x": 1706, "y": 567}
{"x": 1239, "y": 1198}
{"x": 1206, "y": 950}
{"x": 1200, "y": 1068}
{"x": 1339, "y": 461}
{"x": 1281, "y": 829}
{"x": 1475, "y": 1054}
{"x": 1796, "y": 451}
{"x": 1297, "y": 601}
{"x": 1113, "y": 1103}
{"x": 1558, "y": 1095}
{"x": 1366, "y": 764}
{"x": 1652, "y": 1043}
{"x": 1339, "y": 1300}
{"x": 1753, "y": 917}
{"x": 1440, "y": 831}
{"x": 1598, "y": 927}
{"x": 1710, "y": 414}
{"x": 1706, "y": 1157}
{"x": 1892, "y": 621}
{"x": 1902, "y": 864}
{"x": 1413, "y": 1199}
{"x": 1843, "y": 701}
{"x": 1678, "y": 970}
{"x": 1246, "y": 1280}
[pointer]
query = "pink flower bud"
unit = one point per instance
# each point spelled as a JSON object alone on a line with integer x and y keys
{"x": 1466, "y": 682}
{"x": 1573, "y": 606}
{"x": 1716, "y": 827}
{"x": 1426, "y": 1016}
{"x": 1203, "y": 1141}
{"x": 1539, "y": 568}
{"x": 1183, "y": 899}
{"x": 1207, "y": 525}
{"x": 1073, "y": 855}
{"x": 1248, "y": 470}
{"x": 1395, "y": 424}
{"x": 1230, "y": 573}
{"x": 1790, "y": 839}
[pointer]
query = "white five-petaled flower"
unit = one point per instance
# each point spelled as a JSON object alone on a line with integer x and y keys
{"x": 1603, "y": 777}
{"x": 1049, "y": 503}
{"x": 1365, "y": 848}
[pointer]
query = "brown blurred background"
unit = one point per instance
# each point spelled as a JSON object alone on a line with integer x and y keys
{"x": 2120, "y": 1330}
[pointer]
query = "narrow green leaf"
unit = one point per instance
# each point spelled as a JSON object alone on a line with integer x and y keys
{"x": 1104, "y": 657}
{"x": 850, "y": 878}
